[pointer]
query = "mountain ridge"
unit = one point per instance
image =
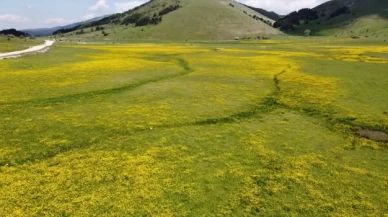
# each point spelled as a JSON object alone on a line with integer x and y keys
{"x": 270, "y": 14}
{"x": 51, "y": 30}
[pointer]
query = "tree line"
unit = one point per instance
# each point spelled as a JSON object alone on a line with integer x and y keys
{"x": 14, "y": 32}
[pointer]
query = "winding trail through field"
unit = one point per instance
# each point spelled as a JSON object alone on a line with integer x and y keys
{"x": 181, "y": 62}
{"x": 39, "y": 48}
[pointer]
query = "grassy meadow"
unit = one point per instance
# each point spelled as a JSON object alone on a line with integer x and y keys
{"x": 195, "y": 129}
{"x": 16, "y": 44}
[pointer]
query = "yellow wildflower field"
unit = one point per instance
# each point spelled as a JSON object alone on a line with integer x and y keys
{"x": 203, "y": 129}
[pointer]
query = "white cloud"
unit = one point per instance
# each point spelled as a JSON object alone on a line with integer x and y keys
{"x": 88, "y": 16}
{"x": 122, "y": 7}
{"x": 100, "y": 6}
{"x": 57, "y": 21}
{"x": 12, "y": 18}
{"x": 283, "y": 6}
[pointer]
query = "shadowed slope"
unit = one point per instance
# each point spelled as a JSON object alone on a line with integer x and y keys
{"x": 346, "y": 18}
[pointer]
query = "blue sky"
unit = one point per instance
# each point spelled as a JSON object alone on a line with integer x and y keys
{"x": 24, "y": 14}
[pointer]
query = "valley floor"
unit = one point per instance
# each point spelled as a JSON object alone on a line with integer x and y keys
{"x": 260, "y": 128}
{"x": 16, "y": 44}
{"x": 39, "y": 48}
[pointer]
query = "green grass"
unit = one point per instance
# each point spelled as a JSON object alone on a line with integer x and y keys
{"x": 178, "y": 129}
{"x": 194, "y": 20}
{"x": 16, "y": 44}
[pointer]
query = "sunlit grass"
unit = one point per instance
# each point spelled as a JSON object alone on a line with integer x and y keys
{"x": 193, "y": 130}
{"x": 16, "y": 44}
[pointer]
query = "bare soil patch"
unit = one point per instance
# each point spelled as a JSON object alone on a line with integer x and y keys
{"x": 375, "y": 135}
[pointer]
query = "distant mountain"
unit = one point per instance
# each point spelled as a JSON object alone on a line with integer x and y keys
{"x": 13, "y": 32}
{"x": 180, "y": 20}
{"x": 272, "y": 15}
{"x": 340, "y": 18}
{"x": 50, "y": 31}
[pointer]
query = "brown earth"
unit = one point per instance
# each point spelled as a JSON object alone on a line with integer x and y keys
{"x": 375, "y": 135}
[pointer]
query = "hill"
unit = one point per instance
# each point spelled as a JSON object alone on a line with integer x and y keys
{"x": 50, "y": 31}
{"x": 180, "y": 20}
{"x": 341, "y": 18}
{"x": 13, "y": 32}
{"x": 270, "y": 14}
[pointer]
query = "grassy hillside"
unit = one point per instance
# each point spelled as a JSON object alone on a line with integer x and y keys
{"x": 258, "y": 128}
{"x": 199, "y": 19}
{"x": 364, "y": 18}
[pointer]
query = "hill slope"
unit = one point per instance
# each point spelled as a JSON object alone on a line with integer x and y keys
{"x": 182, "y": 20}
{"x": 345, "y": 18}
{"x": 270, "y": 14}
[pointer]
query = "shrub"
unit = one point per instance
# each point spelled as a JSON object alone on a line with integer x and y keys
{"x": 143, "y": 21}
{"x": 134, "y": 18}
{"x": 63, "y": 31}
{"x": 339, "y": 11}
{"x": 307, "y": 32}
{"x": 168, "y": 10}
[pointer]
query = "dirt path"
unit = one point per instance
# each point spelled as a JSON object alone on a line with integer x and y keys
{"x": 40, "y": 48}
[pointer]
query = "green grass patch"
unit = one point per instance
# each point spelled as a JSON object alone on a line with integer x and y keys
{"x": 16, "y": 44}
{"x": 170, "y": 129}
